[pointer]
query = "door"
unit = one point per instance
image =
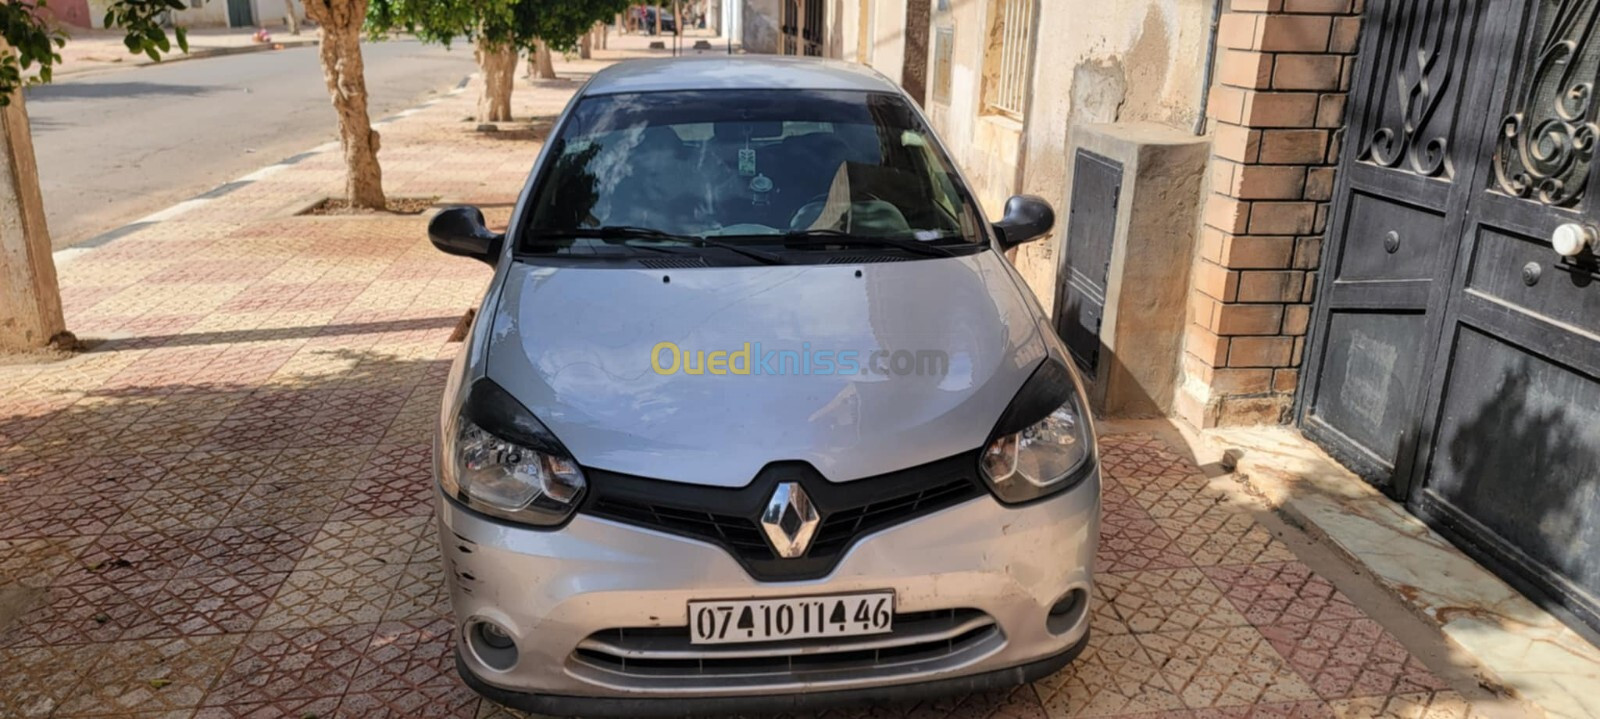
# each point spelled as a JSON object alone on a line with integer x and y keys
{"x": 1513, "y": 467}
{"x": 1394, "y": 231}
{"x": 240, "y": 14}
{"x": 1455, "y": 357}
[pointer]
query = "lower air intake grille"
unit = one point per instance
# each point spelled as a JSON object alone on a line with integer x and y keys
{"x": 918, "y": 638}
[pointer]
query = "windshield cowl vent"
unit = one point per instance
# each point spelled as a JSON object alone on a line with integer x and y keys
{"x": 672, "y": 263}
{"x": 865, "y": 259}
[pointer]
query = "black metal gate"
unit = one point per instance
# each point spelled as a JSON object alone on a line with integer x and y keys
{"x": 1455, "y": 357}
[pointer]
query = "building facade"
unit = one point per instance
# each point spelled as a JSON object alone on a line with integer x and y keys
{"x": 199, "y": 13}
{"x": 1369, "y": 219}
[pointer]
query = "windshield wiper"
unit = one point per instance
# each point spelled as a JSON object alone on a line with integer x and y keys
{"x": 621, "y": 233}
{"x": 819, "y": 237}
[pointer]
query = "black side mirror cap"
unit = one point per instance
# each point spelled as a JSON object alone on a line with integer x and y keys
{"x": 462, "y": 231}
{"x": 1028, "y": 218}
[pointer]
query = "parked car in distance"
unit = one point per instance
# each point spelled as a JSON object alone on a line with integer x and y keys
{"x": 669, "y": 21}
{"x": 755, "y": 414}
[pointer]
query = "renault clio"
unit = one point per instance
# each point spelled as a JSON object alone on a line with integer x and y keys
{"x": 755, "y": 414}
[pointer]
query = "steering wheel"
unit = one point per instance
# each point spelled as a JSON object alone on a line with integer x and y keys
{"x": 823, "y": 197}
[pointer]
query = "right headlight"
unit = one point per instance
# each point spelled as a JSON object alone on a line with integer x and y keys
{"x": 500, "y": 460}
{"x": 1042, "y": 444}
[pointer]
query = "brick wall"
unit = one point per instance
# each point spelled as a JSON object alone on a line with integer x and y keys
{"x": 1277, "y": 109}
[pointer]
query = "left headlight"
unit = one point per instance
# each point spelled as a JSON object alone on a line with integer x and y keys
{"x": 500, "y": 460}
{"x": 1043, "y": 444}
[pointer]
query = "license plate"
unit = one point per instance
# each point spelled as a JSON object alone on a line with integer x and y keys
{"x": 770, "y": 620}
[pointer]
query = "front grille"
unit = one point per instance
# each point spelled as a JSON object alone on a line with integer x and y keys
{"x": 729, "y": 518}
{"x": 918, "y": 638}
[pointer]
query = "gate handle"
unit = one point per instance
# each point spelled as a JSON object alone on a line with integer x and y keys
{"x": 1571, "y": 239}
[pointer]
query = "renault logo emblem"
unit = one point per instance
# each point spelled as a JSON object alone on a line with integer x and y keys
{"x": 789, "y": 520}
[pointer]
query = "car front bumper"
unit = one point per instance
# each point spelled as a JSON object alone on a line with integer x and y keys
{"x": 553, "y": 590}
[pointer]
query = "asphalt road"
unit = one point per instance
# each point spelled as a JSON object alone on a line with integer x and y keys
{"x": 116, "y": 146}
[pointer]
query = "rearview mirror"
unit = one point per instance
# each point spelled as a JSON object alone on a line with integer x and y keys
{"x": 462, "y": 231}
{"x": 1028, "y": 218}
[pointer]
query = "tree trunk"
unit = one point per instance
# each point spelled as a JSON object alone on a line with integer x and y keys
{"x": 342, "y": 69}
{"x": 499, "y": 66}
{"x": 290, "y": 18}
{"x": 30, "y": 300}
{"x": 540, "y": 64}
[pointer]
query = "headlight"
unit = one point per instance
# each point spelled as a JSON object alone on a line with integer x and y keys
{"x": 499, "y": 460}
{"x": 1042, "y": 444}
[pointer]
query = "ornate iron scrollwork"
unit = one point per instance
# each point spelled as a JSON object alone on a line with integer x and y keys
{"x": 1548, "y": 141}
{"x": 1418, "y": 65}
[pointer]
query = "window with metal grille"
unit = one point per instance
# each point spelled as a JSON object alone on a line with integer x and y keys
{"x": 1008, "y": 57}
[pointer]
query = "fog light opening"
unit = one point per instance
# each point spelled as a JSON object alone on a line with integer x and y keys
{"x": 492, "y": 644}
{"x": 1067, "y": 612}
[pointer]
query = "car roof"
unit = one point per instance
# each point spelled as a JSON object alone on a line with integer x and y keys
{"x": 737, "y": 72}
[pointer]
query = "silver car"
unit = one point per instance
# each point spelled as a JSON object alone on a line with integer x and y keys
{"x": 755, "y": 415}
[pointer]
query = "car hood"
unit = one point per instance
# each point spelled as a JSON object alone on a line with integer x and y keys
{"x": 575, "y": 345}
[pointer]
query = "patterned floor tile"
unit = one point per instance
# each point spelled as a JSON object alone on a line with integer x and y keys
{"x": 150, "y": 675}
{"x": 1124, "y": 456}
{"x": 1350, "y": 658}
{"x": 62, "y": 515}
{"x": 336, "y": 595}
{"x": 320, "y": 464}
{"x": 409, "y": 670}
{"x": 280, "y": 502}
{"x": 283, "y": 667}
{"x": 140, "y": 556}
{"x": 38, "y": 680}
{"x": 1423, "y": 705}
{"x": 37, "y": 562}
{"x": 1113, "y": 677}
{"x": 368, "y": 542}
{"x": 420, "y": 594}
{"x": 177, "y": 509}
{"x": 1221, "y": 667}
{"x": 249, "y": 549}
{"x": 1280, "y": 592}
{"x": 86, "y": 613}
{"x": 1214, "y": 534}
{"x": 1167, "y": 600}
{"x": 1130, "y": 540}
{"x": 225, "y": 604}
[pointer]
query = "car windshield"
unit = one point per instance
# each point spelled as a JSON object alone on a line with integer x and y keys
{"x": 719, "y": 168}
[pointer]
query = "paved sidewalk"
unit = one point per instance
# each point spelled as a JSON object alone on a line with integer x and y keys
{"x": 224, "y": 510}
{"x": 90, "y": 50}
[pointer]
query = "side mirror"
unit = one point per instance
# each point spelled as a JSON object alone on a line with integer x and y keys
{"x": 461, "y": 231}
{"x": 1027, "y": 219}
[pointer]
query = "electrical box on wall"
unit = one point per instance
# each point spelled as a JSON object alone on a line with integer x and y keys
{"x": 1133, "y": 204}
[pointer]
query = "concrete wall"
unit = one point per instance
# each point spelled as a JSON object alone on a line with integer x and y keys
{"x": 211, "y": 13}
{"x": 759, "y": 30}
{"x": 1101, "y": 62}
{"x": 270, "y": 12}
{"x": 1095, "y": 61}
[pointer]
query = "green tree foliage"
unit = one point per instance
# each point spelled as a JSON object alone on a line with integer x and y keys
{"x": 516, "y": 24}
{"x": 34, "y": 40}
